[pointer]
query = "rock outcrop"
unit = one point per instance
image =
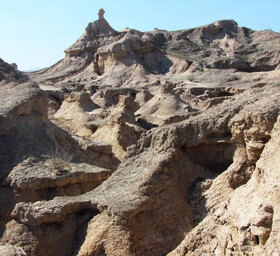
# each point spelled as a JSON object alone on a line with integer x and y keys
{"x": 156, "y": 143}
{"x": 10, "y": 74}
{"x": 247, "y": 219}
{"x": 97, "y": 33}
{"x": 25, "y": 131}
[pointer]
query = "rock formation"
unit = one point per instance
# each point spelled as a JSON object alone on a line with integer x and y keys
{"x": 10, "y": 74}
{"x": 155, "y": 143}
{"x": 96, "y": 34}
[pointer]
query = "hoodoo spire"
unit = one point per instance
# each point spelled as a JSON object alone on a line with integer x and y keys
{"x": 93, "y": 37}
{"x": 101, "y": 13}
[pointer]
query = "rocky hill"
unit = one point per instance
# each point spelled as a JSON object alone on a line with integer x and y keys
{"x": 144, "y": 143}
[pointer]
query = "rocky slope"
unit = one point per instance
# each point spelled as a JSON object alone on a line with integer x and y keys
{"x": 156, "y": 143}
{"x": 10, "y": 74}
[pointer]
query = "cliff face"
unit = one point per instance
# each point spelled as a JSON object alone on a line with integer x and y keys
{"x": 156, "y": 143}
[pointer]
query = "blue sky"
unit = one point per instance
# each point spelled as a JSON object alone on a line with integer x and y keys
{"x": 34, "y": 33}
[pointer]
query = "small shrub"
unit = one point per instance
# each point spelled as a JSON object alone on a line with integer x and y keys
{"x": 233, "y": 78}
{"x": 61, "y": 160}
{"x": 178, "y": 55}
{"x": 205, "y": 45}
{"x": 201, "y": 69}
{"x": 245, "y": 57}
{"x": 191, "y": 78}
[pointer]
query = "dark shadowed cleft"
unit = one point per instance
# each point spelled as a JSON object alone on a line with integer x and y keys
{"x": 215, "y": 157}
{"x": 145, "y": 124}
{"x": 83, "y": 218}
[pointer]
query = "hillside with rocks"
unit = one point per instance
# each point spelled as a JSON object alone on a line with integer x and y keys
{"x": 144, "y": 143}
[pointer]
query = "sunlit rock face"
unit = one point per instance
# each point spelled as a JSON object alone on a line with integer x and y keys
{"x": 96, "y": 34}
{"x": 144, "y": 143}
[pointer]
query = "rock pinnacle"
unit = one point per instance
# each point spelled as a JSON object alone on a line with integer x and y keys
{"x": 101, "y": 13}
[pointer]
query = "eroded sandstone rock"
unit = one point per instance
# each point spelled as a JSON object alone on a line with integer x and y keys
{"x": 10, "y": 74}
{"x": 173, "y": 138}
{"x": 25, "y": 131}
{"x": 11, "y": 251}
{"x": 44, "y": 179}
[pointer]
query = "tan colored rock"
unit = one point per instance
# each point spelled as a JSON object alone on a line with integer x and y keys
{"x": 240, "y": 221}
{"x": 75, "y": 113}
{"x": 122, "y": 130}
{"x": 104, "y": 238}
{"x": 10, "y": 74}
{"x": 163, "y": 106}
{"x": 180, "y": 157}
{"x": 26, "y": 132}
{"x": 43, "y": 179}
{"x": 92, "y": 37}
{"x": 12, "y": 251}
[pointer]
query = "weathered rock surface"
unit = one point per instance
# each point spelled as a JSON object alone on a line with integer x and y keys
{"x": 156, "y": 143}
{"x": 96, "y": 34}
{"x": 247, "y": 220}
{"x": 25, "y": 131}
{"x": 11, "y": 251}
{"x": 43, "y": 179}
{"x": 10, "y": 74}
{"x": 74, "y": 112}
